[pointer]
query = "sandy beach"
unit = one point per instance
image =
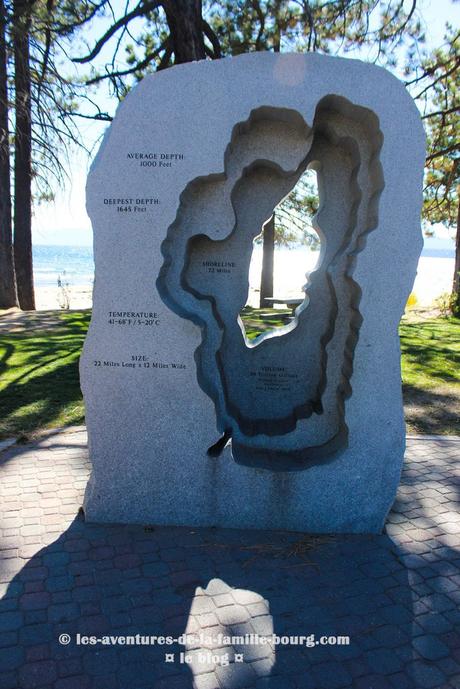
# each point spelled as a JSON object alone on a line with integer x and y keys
{"x": 47, "y": 298}
{"x": 434, "y": 277}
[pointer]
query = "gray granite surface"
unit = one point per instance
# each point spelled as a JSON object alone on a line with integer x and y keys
{"x": 192, "y": 166}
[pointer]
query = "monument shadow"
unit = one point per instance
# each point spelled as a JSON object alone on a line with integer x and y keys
{"x": 111, "y": 580}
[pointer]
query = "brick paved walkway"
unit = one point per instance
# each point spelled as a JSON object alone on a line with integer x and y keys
{"x": 395, "y": 595}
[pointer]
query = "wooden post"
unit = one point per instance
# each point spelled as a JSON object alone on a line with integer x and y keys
{"x": 268, "y": 255}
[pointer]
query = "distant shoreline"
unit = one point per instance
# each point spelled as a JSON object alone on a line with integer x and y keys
{"x": 74, "y": 265}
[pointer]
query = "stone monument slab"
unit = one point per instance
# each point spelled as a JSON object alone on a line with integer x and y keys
{"x": 190, "y": 421}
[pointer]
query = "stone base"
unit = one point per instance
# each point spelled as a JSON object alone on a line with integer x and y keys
{"x": 351, "y": 494}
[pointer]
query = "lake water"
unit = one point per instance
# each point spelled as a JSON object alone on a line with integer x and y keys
{"x": 75, "y": 266}
{"x": 75, "y": 263}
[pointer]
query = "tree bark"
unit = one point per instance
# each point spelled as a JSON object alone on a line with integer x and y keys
{"x": 456, "y": 282}
{"x": 23, "y": 156}
{"x": 185, "y": 21}
{"x": 268, "y": 256}
{"x": 8, "y": 293}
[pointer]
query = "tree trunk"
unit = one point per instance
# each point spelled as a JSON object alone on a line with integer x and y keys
{"x": 277, "y": 27}
{"x": 456, "y": 283}
{"x": 8, "y": 294}
{"x": 23, "y": 156}
{"x": 268, "y": 255}
{"x": 185, "y": 23}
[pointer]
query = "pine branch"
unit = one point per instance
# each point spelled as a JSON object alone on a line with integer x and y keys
{"x": 443, "y": 152}
{"x": 140, "y": 10}
{"x": 132, "y": 70}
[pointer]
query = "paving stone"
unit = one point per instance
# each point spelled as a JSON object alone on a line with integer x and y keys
{"x": 434, "y": 623}
{"x": 374, "y": 682}
{"x": 35, "y": 634}
{"x": 331, "y": 675}
{"x": 8, "y": 639}
{"x": 397, "y": 614}
{"x": 11, "y": 658}
{"x": 76, "y": 682}
{"x": 216, "y": 587}
{"x": 137, "y": 673}
{"x": 100, "y": 662}
{"x": 8, "y": 680}
{"x": 76, "y": 545}
{"x": 281, "y": 683}
{"x": 176, "y": 682}
{"x": 206, "y": 681}
{"x": 172, "y": 554}
{"x": 448, "y": 666}
{"x": 70, "y": 667}
{"x": 201, "y": 661}
{"x": 9, "y": 621}
{"x": 239, "y": 675}
{"x": 400, "y": 680}
{"x": 438, "y": 602}
{"x": 38, "y": 652}
{"x": 208, "y": 619}
{"x": 37, "y": 674}
{"x": 90, "y": 625}
{"x": 35, "y": 601}
{"x": 55, "y": 559}
{"x": 116, "y": 620}
{"x": 263, "y": 667}
{"x": 232, "y": 614}
{"x": 127, "y": 561}
{"x": 384, "y": 661}
{"x": 430, "y": 647}
{"x": 155, "y": 569}
{"x": 426, "y": 676}
{"x": 59, "y": 583}
{"x": 115, "y": 604}
{"x": 257, "y": 609}
{"x": 102, "y": 579}
{"x": 146, "y": 614}
{"x": 244, "y": 597}
{"x": 201, "y": 605}
{"x": 133, "y": 586}
{"x": 63, "y": 612}
{"x": 252, "y": 652}
{"x": 9, "y": 604}
{"x": 223, "y": 599}
{"x": 390, "y": 637}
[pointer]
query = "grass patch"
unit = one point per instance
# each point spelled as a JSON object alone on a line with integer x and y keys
{"x": 431, "y": 375}
{"x": 39, "y": 382}
{"x": 258, "y": 321}
{"x": 430, "y": 366}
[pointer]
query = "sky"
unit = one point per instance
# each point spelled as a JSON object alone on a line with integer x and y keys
{"x": 64, "y": 221}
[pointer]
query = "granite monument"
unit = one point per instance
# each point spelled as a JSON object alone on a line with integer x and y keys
{"x": 190, "y": 421}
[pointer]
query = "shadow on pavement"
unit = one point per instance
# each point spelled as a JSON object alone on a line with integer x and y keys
{"x": 395, "y": 595}
{"x": 115, "y": 580}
